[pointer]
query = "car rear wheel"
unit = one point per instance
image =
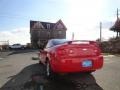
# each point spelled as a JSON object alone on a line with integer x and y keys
{"x": 47, "y": 69}
{"x": 49, "y": 72}
{"x": 89, "y": 72}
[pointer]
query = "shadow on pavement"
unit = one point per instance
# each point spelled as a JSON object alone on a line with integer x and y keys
{"x": 23, "y": 80}
{"x": 3, "y": 54}
{"x": 21, "y": 51}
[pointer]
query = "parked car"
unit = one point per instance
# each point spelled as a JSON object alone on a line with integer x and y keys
{"x": 16, "y": 46}
{"x": 62, "y": 56}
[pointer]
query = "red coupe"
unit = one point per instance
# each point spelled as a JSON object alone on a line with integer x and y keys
{"x": 63, "y": 56}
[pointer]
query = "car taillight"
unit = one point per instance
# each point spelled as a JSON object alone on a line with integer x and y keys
{"x": 61, "y": 52}
{"x": 97, "y": 51}
{"x": 66, "y": 52}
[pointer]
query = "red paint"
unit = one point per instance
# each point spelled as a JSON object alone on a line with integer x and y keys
{"x": 68, "y": 58}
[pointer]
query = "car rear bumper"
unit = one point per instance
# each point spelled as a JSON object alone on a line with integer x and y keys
{"x": 75, "y": 64}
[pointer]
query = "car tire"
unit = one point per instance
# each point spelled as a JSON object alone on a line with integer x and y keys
{"x": 48, "y": 70}
{"x": 89, "y": 72}
{"x": 49, "y": 73}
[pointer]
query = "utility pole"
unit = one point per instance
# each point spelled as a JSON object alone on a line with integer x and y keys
{"x": 72, "y": 35}
{"x": 100, "y": 31}
{"x": 117, "y": 13}
{"x": 118, "y": 33}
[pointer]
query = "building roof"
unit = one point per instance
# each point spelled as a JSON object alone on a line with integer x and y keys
{"x": 46, "y": 24}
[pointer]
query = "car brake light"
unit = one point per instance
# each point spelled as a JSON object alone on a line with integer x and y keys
{"x": 61, "y": 52}
{"x": 97, "y": 51}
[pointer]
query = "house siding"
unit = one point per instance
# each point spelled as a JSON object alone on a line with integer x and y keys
{"x": 40, "y": 36}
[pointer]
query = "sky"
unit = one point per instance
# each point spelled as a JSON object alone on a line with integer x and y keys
{"x": 81, "y": 17}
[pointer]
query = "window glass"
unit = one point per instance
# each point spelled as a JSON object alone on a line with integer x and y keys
{"x": 58, "y": 41}
{"x": 54, "y": 42}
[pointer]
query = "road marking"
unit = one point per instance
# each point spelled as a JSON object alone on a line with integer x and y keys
{"x": 109, "y": 56}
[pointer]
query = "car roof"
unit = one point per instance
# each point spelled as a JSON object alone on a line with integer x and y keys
{"x": 56, "y": 39}
{"x": 17, "y": 44}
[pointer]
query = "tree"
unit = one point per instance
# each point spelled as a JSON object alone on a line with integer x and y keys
{"x": 116, "y": 27}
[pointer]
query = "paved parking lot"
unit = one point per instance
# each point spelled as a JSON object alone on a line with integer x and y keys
{"x": 16, "y": 70}
{"x": 11, "y": 63}
{"x": 109, "y": 76}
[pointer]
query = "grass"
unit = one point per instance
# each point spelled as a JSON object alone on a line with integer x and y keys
{"x": 35, "y": 58}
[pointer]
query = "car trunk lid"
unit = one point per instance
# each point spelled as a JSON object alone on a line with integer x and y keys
{"x": 75, "y": 49}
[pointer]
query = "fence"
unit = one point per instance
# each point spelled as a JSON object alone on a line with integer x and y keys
{"x": 4, "y": 45}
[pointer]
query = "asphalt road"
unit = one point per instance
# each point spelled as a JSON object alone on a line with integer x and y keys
{"x": 12, "y": 62}
{"x": 109, "y": 77}
{"x": 16, "y": 69}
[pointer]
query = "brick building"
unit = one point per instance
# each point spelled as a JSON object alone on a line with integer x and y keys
{"x": 41, "y": 32}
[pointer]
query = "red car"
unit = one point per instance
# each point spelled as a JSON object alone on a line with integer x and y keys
{"x": 62, "y": 56}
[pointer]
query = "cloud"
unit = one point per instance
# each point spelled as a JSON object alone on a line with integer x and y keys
{"x": 82, "y": 17}
{"x": 18, "y": 35}
{"x": 91, "y": 33}
{"x": 22, "y": 35}
{"x": 105, "y": 24}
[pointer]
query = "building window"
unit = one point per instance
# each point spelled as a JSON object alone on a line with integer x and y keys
{"x": 60, "y": 32}
{"x": 48, "y": 34}
{"x": 48, "y": 26}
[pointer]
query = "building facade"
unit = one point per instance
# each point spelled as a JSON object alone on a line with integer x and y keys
{"x": 41, "y": 32}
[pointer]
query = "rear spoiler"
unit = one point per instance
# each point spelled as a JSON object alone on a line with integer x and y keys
{"x": 82, "y": 41}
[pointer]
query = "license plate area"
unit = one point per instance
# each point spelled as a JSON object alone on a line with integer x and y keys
{"x": 87, "y": 63}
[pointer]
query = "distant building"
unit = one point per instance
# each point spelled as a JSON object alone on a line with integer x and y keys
{"x": 41, "y": 32}
{"x": 4, "y": 45}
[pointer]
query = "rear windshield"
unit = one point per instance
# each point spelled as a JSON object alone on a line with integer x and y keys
{"x": 16, "y": 44}
{"x": 57, "y": 42}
